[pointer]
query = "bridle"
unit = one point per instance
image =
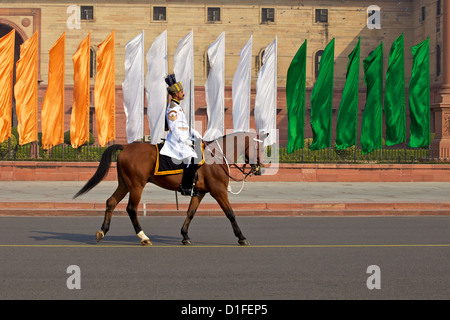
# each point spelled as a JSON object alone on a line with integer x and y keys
{"x": 255, "y": 169}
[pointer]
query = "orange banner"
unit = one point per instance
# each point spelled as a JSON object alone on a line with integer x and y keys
{"x": 79, "y": 121}
{"x": 6, "y": 84}
{"x": 26, "y": 89}
{"x": 52, "y": 116}
{"x": 104, "y": 92}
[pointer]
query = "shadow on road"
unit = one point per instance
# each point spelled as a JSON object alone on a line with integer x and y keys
{"x": 77, "y": 238}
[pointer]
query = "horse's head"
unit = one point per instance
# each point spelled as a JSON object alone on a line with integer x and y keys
{"x": 249, "y": 146}
{"x": 238, "y": 148}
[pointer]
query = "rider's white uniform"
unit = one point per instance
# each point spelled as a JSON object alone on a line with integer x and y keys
{"x": 178, "y": 142}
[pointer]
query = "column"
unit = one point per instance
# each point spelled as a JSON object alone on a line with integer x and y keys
{"x": 441, "y": 143}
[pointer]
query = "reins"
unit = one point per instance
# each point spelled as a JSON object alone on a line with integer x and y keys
{"x": 242, "y": 170}
{"x": 228, "y": 173}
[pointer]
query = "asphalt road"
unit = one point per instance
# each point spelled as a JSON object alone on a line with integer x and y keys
{"x": 289, "y": 258}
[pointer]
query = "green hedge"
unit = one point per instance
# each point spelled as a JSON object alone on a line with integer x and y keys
{"x": 62, "y": 152}
{"x": 353, "y": 154}
{"x": 4, "y": 146}
{"x": 65, "y": 152}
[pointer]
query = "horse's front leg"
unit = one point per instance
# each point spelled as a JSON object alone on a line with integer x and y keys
{"x": 193, "y": 205}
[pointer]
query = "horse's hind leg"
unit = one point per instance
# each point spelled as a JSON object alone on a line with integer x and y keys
{"x": 222, "y": 199}
{"x": 111, "y": 204}
{"x": 193, "y": 205}
{"x": 133, "y": 203}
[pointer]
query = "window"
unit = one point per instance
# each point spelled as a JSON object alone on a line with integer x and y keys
{"x": 423, "y": 14}
{"x": 438, "y": 8}
{"x": 317, "y": 62}
{"x": 207, "y": 64}
{"x": 267, "y": 15}
{"x": 213, "y": 14}
{"x": 322, "y": 15}
{"x": 259, "y": 59}
{"x": 93, "y": 63}
{"x": 91, "y": 122}
{"x": 159, "y": 13}
{"x": 87, "y": 13}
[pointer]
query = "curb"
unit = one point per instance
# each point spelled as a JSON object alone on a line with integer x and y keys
{"x": 240, "y": 209}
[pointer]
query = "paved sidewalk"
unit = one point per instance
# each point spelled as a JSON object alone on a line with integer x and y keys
{"x": 265, "y": 198}
{"x": 372, "y": 192}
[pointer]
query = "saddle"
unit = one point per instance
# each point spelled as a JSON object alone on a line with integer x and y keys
{"x": 166, "y": 165}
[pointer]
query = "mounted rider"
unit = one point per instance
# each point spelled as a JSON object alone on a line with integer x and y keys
{"x": 181, "y": 139}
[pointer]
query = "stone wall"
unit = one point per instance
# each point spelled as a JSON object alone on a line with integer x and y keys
{"x": 293, "y": 23}
{"x": 83, "y": 171}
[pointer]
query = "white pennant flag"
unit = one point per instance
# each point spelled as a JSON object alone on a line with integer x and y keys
{"x": 241, "y": 89}
{"x": 133, "y": 88}
{"x": 183, "y": 67}
{"x": 266, "y": 95}
{"x": 156, "y": 88}
{"x": 214, "y": 89}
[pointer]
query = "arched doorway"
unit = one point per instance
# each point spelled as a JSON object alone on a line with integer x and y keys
{"x": 4, "y": 30}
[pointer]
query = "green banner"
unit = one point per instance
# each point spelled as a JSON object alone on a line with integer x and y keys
{"x": 419, "y": 96}
{"x": 394, "y": 95}
{"x": 322, "y": 101}
{"x": 347, "y": 121}
{"x": 372, "y": 119}
{"x": 295, "y": 100}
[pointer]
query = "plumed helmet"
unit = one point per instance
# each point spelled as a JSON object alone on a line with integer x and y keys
{"x": 173, "y": 85}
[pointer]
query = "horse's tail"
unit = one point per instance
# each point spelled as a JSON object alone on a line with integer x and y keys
{"x": 102, "y": 169}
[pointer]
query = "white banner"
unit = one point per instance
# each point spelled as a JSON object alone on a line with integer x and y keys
{"x": 183, "y": 67}
{"x": 241, "y": 89}
{"x": 156, "y": 88}
{"x": 266, "y": 95}
{"x": 215, "y": 88}
{"x": 133, "y": 88}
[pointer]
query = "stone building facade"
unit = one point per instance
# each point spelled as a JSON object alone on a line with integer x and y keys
{"x": 317, "y": 21}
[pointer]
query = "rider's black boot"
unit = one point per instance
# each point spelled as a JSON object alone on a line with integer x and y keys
{"x": 187, "y": 183}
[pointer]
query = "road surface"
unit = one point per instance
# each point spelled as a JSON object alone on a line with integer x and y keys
{"x": 290, "y": 258}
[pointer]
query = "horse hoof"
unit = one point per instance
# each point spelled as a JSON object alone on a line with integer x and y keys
{"x": 100, "y": 235}
{"x": 187, "y": 242}
{"x": 146, "y": 242}
{"x": 244, "y": 242}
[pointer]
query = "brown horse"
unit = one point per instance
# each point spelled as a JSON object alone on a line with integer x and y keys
{"x": 136, "y": 166}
